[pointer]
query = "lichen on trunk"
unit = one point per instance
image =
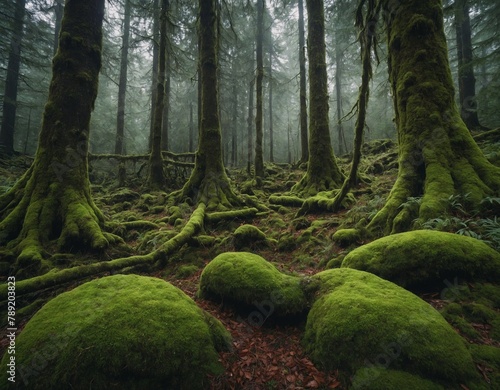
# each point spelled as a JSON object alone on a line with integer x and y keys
{"x": 51, "y": 205}
{"x": 437, "y": 155}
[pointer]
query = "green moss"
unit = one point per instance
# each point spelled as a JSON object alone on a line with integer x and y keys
{"x": 246, "y": 279}
{"x": 247, "y": 235}
{"x": 185, "y": 271}
{"x": 346, "y": 237}
{"x": 417, "y": 258}
{"x": 488, "y": 356}
{"x": 361, "y": 319}
{"x": 380, "y": 378}
{"x": 123, "y": 331}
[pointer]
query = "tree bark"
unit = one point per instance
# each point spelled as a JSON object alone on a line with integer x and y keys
{"x": 271, "y": 130}
{"x": 191, "y": 128}
{"x": 304, "y": 141}
{"x": 322, "y": 173}
{"x": 437, "y": 156}
{"x": 165, "y": 127}
{"x": 154, "y": 77}
{"x": 338, "y": 92}
{"x": 208, "y": 182}
{"x": 58, "y": 11}
{"x": 234, "y": 135}
{"x": 156, "y": 177}
{"x": 122, "y": 85}
{"x": 51, "y": 205}
{"x": 466, "y": 77}
{"x": 11, "y": 83}
{"x": 259, "y": 153}
{"x": 250, "y": 119}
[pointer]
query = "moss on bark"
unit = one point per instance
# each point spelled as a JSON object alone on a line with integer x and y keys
{"x": 52, "y": 204}
{"x": 437, "y": 155}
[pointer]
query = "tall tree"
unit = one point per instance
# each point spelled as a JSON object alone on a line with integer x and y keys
{"x": 466, "y": 77}
{"x": 304, "y": 141}
{"x": 250, "y": 118}
{"x": 154, "y": 73}
{"x": 438, "y": 157}
{"x": 259, "y": 151}
{"x": 270, "y": 78}
{"x": 122, "y": 84}
{"x": 51, "y": 203}
{"x": 156, "y": 177}
{"x": 322, "y": 170}
{"x": 208, "y": 182}
{"x": 58, "y": 12}
{"x": 11, "y": 84}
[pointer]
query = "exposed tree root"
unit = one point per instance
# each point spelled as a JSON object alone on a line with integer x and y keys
{"x": 325, "y": 201}
{"x": 38, "y": 213}
{"x": 240, "y": 214}
{"x": 54, "y": 278}
{"x": 288, "y": 201}
{"x": 214, "y": 190}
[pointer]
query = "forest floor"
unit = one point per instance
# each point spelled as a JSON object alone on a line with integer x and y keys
{"x": 269, "y": 356}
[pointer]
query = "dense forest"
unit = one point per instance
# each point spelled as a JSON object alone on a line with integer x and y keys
{"x": 250, "y": 194}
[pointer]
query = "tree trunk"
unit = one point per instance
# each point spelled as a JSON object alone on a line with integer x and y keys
{"x": 209, "y": 183}
{"x": 250, "y": 121}
{"x": 322, "y": 171}
{"x": 10, "y": 93}
{"x": 466, "y": 77}
{"x": 304, "y": 141}
{"x": 271, "y": 130}
{"x": 234, "y": 135}
{"x": 437, "y": 155}
{"x": 191, "y": 128}
{"x": 154, "y": 77}
{"x": 156, "y": 177}
{"x": 58, "y": 11}
{"x": 122, "y": 85}
{"x": 259, "y": 153}
{"x": 338, "y": 92}
{"x": 165, "y": 127}
{"x": 51, "y": 203}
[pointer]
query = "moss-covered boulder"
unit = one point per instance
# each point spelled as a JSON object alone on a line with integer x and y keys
{"x": 248, "y": 235}
{"x": 424, "y": 257}
{"x": 252, "y": 283}
{"x": 361, "y": 320}
{"x": 381, "y": 378}
{"x": 119, "y": 332}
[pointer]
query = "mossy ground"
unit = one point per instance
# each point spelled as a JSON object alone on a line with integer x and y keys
{"x": 303, "y": 246}
{"x": 123, "y": 331}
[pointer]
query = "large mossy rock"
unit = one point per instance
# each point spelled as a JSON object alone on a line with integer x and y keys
{"x": 250, "y": 282}
{"x": 119, "y": 332}
{"x": 420, "y": 258}
{"x": 360, "y": 320}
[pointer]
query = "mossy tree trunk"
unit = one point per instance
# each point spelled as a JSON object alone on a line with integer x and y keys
{"x": 304, "y": 141}
{"x": 259, "y": 152}
{"x": 51, "y": 205}
{"x": 156, "y": 176}
{"x": 209, "y": 183}
{"x": 437, "y": 155}
{"x": 322, "y": 171}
